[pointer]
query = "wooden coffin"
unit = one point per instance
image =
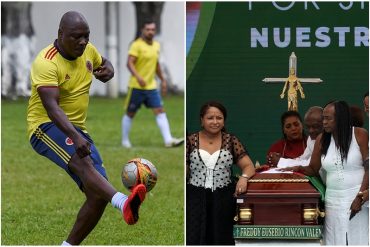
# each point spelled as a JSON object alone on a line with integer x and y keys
{"x": 278, "y": 206}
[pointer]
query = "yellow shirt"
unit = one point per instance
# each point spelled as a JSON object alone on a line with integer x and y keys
{"x": 146, "y": 63}
{"x": 72, "y": 77}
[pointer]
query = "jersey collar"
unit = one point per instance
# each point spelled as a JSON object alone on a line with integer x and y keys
{"x": 62, "y": 52}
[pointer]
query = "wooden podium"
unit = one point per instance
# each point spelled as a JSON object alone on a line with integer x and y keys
{"x": 278, "y": 206}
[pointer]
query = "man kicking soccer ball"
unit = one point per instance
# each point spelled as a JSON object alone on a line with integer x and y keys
{"x": 61, "y": 76}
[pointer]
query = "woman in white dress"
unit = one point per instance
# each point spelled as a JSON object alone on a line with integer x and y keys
{"x": 342, "y": 151}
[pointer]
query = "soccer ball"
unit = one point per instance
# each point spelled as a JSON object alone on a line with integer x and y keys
{"x": 139, "y": 171}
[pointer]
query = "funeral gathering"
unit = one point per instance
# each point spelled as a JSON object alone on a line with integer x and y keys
{"x": 277, "y": 123}
{"x": 251, "y": 123}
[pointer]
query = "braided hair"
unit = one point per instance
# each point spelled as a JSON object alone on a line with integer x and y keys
{"x": 343, "y": 121}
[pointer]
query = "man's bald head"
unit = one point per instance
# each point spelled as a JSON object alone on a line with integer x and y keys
{"x": 73, "y": 34}
{"x": 313, "y": 121}
{"x": 71, "y": 19}
{"x": 314, "y": 111}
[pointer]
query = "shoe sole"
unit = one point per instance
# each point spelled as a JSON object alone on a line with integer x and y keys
{"x": 175, "y": 144}
{"x": 131, "y": 208}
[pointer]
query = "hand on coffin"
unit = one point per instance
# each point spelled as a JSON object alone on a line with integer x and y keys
{"x": 273, "y": 159}
{"x": 241, "y": 186}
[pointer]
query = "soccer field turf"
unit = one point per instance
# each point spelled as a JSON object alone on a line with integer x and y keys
{"x": 39, "y": 201}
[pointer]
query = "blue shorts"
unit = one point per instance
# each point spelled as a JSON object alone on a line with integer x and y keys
{"x": 49, "y": 141}
{"x": 136, "y": 97}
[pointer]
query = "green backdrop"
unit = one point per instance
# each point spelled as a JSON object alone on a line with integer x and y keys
{"x": 223, "y": 65}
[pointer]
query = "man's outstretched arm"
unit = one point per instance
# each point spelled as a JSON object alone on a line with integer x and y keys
{"x": 50, "y": 100}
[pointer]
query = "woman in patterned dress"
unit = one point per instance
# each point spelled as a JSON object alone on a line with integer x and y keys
{"x": 210, "y": 202}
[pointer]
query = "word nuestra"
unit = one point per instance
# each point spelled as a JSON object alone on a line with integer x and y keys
{"x": 309, "y": 37}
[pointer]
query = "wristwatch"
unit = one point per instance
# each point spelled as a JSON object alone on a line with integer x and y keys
{"x": 245, "y": 176}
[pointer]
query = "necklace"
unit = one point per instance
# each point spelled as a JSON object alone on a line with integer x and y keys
{"x": 209, "y": 139}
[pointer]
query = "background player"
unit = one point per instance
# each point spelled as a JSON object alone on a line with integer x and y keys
{"x": 144, "y": 66}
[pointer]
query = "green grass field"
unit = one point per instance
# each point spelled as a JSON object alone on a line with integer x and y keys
{"x": 39, "y": 201}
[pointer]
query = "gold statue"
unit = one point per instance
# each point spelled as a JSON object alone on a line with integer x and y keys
{"x": 294, "y": 85}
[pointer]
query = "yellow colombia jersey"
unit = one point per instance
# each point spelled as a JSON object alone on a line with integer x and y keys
{"x": 72, "y": 77}
{"x": 146, "y": 63}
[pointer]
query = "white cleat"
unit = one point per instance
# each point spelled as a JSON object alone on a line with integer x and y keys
{"x": 175, "y": 142}
{"x": 126, "y": 144}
